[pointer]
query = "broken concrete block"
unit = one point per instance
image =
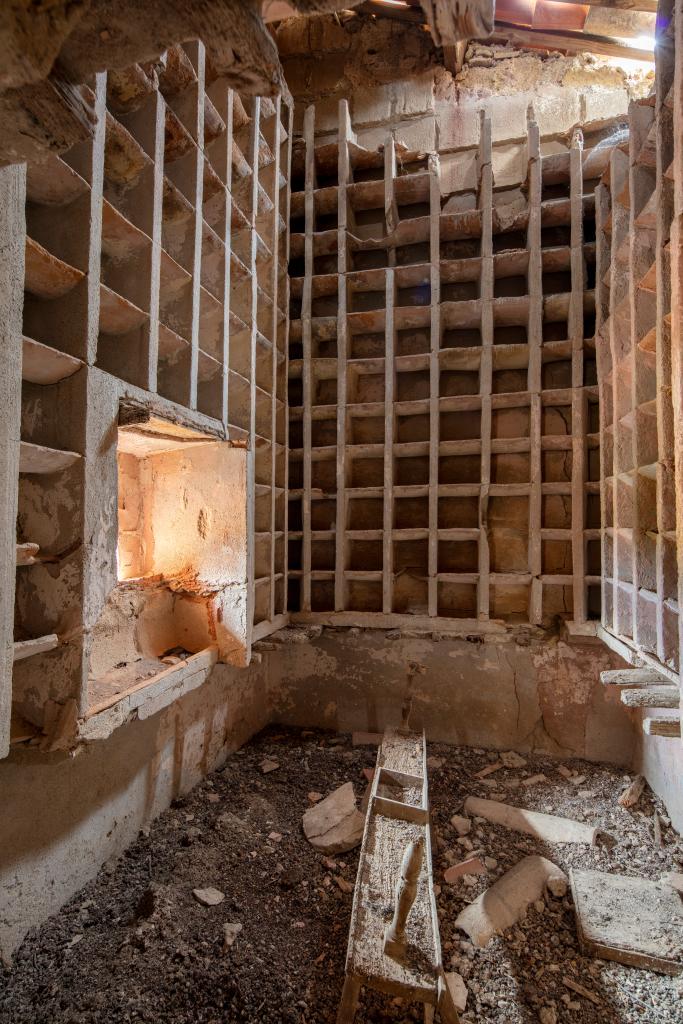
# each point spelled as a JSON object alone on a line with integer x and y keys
{"x": 458, "y": 990}
{"x": 507, "y": 900}
{"x": 208, "y": 897}
{"x": 549, "y": 827}
{"x": 335, "y": 825}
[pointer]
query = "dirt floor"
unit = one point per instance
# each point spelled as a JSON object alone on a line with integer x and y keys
{"x": 136, "y": 945}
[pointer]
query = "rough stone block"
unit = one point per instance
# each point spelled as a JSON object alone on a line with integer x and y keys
{"x": 373, "y": 107}
{"x": 458, "y": 125}
{"x": 508, "y": 116}
{"x": 415, "y": 96}
{"x": 458, "y": 171}
{"x": 600, "y": 106}
{"x": 509, "y": 164}
{"x": 418, "y": 136}
{"x": 371, "y": 138}
{"x": 557, "y": 110}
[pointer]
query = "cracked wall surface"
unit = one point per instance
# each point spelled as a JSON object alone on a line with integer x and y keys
{"x": 516, "y": 690}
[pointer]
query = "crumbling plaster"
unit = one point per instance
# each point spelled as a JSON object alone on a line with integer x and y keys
{"x": 529, "y": 693}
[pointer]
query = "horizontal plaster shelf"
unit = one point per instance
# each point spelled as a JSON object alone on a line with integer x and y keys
{"x": 36, "y": 458}
{"x": 42, "y": 364}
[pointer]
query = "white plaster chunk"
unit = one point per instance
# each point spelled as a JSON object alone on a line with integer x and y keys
{"x": 549, "y": 827}
{"x": 507, "y": 900}
{"x": 335, "y": 825}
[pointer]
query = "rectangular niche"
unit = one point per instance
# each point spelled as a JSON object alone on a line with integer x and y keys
{"x": 181, "y": 561}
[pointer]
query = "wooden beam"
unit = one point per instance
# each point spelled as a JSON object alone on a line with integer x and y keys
{"x": 649, "y": 6}
{"x": 570, "y": 42}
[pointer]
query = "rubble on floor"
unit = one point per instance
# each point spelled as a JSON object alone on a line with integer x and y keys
{"x": 135, "y": 945}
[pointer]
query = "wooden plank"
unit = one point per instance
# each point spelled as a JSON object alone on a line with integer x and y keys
{"x": 275, "y": 275}
{"x": 571, "y": 42}
{"x": 649, "y": 6}
{"x": 252, "y": 326}
{"x": 434, "y": 382}
{"x": 198, "y": 53}
{"x": 487, "y": 272}
{"x": 534, "y": 377}
{"x": 285, "y": 352}
{"x": 385, "y": 841}
{"x": 389, "y": 417}
{"x": 619, "y": 290}
{"x": 651, "y": 697}
{"x": 12, "y": 229}
{"x": 631, "y": 920}
{"x": 630, "y": 677}
{"x": 309, "y": 140}
{"x": 39, "y": 645}
{"x": 154, "y": 111}
{"x": 604, "y": 366}
{"x": 345, "y": 136}
{"x": 659, "y": 725}
{"x": 575, "y": 326}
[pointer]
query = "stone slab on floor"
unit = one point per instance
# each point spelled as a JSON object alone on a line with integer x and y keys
{"x": 632, "y": 920}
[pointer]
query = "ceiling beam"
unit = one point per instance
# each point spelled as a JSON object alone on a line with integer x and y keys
{"x": 571, "y": 42}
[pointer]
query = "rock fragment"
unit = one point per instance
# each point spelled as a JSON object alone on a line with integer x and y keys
{"x": 230, "y": 932}
{"x": 457, "y": 989}
{"x": 335, "y": 825}
{"x": 208, "y": 897}
{"x": 511, "y": 759}
{"x": 267, "y": 765}
{"x": 461, "y": 824}
{"x": 633, "y": 792}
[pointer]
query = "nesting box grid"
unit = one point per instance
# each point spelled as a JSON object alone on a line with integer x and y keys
{"x": 636, "y": 204}
{"x": 157, "y": 252}
{"x": 444, "y": 445}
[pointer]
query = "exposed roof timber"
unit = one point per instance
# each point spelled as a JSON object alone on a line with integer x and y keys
{"x": 571, "y": 42}
{"x": 547, "y": 39}
{"x": 649, "y": 6}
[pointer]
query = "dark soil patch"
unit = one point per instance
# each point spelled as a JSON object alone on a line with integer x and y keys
{"x": 135, "y": 945}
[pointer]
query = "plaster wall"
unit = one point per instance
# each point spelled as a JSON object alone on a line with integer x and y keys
{"x": 64, "y": 816}
{"x": 522, "y": 692}
{"x": 661, "y": 762}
